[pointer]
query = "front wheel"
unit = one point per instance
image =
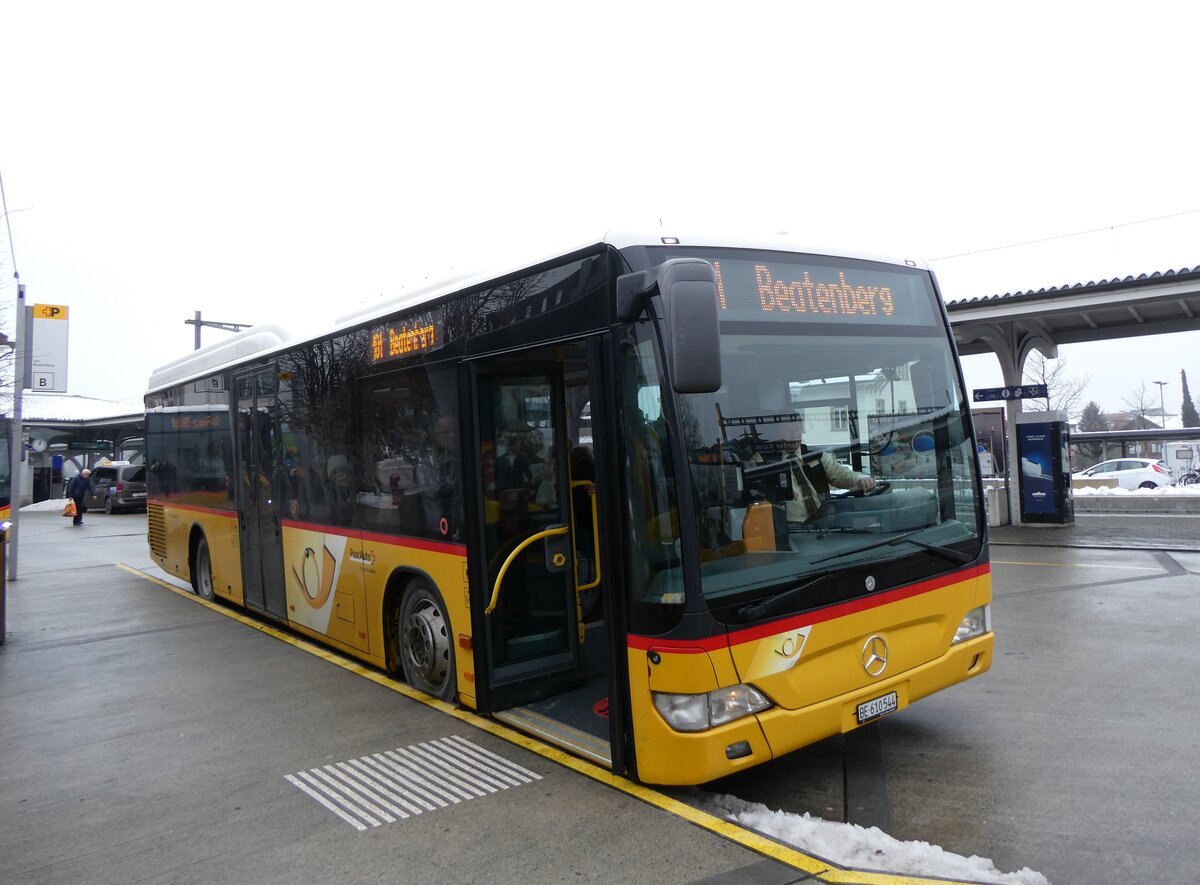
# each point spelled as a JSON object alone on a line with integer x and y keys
{"x": 108, "y": 505}
{"x": 202, "y": 581}
{"x": 426, "y": 650}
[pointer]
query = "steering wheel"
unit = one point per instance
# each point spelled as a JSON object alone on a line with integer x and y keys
{"x": 880, "y": 488}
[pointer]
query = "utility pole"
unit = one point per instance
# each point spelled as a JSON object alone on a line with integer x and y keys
{"x": 1162, "y": 409}
{"x": 228, "y": 327}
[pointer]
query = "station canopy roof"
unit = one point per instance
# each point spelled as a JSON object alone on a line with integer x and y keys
{"x": 1150, "y": 304}
{"x": 69, "y": 409}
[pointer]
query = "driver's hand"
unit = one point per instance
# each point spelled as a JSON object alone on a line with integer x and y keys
{"x": 866, "y": 483}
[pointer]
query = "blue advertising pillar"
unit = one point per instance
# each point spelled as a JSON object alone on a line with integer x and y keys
{"x": 1044, "y": 469}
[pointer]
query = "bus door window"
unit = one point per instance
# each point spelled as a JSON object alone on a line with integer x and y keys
{"x": 656, "y": 578}
{"x": 520, "y": 424}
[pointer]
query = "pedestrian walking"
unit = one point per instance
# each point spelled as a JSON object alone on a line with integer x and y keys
{"x": 78, "y": 488}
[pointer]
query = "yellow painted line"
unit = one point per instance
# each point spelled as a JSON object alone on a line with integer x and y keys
{"x": 1129, "y": 568}
{"x": 763, "y": 845}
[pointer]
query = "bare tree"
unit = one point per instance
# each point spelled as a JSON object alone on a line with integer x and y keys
{"x": 8, "y": 360}
{"x": 1065, "y": 391}
{"x": 1137, "y": 404}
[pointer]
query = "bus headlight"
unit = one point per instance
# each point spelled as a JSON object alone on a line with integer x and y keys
{"x": 977, "y": 622}
{"x": 699, "y": 712}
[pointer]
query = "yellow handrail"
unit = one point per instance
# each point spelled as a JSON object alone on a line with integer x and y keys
{"x": 591, "y": 487}
{"x": 553, "y": 530}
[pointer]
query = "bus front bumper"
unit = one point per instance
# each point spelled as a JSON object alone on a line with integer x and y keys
{"x": 669, "y": 757}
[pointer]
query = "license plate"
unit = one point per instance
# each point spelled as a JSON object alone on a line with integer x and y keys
{"x": 869, "y": 710}
{"x": 138, "y": 495}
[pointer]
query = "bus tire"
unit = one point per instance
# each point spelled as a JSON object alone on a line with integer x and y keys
{"x": 202, "y": 581}
{"x": 426, "y": 649}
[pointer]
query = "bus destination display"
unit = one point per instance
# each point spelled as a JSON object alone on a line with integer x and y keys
{"x": 755, "y": 290}
{"x": 405, "y": 338}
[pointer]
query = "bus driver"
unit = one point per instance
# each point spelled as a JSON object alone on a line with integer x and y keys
{"x": 812, "y": 473}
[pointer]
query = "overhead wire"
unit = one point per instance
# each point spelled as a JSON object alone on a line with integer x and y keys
{"x": 1080, "y": 233}
{"x": 4, "y": 207}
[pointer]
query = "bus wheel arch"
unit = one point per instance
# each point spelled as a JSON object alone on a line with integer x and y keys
{"x": 200, "y": 564}
{"x": 420, "y": 642}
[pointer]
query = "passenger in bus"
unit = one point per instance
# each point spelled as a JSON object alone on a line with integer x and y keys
{"x": 341, "y": 489}
{"x": 515, "y": 484}
{"x": 547, "y": 487}
{"x": 513, "y": 473}
{"x": 438, "y": 478}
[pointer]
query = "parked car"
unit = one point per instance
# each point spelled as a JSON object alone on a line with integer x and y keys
{"x": 118, "y": 487}
{"x": 1130, "y": 473}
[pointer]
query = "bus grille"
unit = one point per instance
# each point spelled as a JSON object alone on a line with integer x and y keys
{"x": 156, "y": 530}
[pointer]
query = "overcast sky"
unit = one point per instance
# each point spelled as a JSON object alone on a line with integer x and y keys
{"x": 282, "y": 162}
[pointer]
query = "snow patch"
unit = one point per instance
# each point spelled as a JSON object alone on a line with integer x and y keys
{"x": 864, "y": 848}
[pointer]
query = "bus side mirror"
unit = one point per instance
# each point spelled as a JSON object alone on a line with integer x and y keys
{"x": 688, "y": 287}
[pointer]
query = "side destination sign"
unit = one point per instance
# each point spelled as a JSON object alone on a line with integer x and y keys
{"x": 1025, "y": 391}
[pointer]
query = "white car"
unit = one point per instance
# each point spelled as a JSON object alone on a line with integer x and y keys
{"x": 1131, "y": 473}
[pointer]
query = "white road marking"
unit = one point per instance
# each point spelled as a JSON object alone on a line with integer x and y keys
{"x": 398, "y": 784}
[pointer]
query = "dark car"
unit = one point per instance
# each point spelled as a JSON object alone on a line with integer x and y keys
{"x": 118, "y": 487}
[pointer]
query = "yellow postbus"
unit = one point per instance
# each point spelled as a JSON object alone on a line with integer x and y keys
{"x": 617, "y": 498}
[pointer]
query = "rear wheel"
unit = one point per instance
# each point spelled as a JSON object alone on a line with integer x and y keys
{"x": 426, "y": 652}
{"x": 108, "y": 504}
{"x": 1147, "y": 485}
{"x": 202, "y": 581}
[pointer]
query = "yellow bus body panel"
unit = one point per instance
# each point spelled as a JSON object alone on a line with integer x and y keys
{"x": 811, "y": 667}
{"x": 445, "y": 566}
{"x": 224, "y": 548}
{"x": 335, "y": 581}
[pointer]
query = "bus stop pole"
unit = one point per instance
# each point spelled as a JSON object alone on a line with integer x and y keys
{"x": 16, "y": 443}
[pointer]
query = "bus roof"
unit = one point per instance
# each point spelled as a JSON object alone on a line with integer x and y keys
{"x": 206, "y": 360}
{"x": 265, "y": 339}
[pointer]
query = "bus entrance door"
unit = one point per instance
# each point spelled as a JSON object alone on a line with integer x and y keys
{"x": 531, "y": 614}
{"x": 257, "y": 451}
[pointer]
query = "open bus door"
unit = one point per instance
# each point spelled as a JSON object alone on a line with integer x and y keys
{"x": 546, "y": 665}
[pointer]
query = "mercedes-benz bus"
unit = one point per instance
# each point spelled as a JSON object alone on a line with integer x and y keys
{"x": 565, "y": 495}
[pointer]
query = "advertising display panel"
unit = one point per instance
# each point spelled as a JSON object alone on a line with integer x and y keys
{"x": 1043, "y": 468}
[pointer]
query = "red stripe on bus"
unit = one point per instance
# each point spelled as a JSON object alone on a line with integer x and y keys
{"x": 378, "y": 538}
{"x": 418, "y": 544}
{"x": 412, "y": 543}
{"x": 760, "y": 631}
{"x": 195, "y": 508}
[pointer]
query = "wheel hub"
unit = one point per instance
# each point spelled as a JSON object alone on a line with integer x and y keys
{"x": 427, "y": 644}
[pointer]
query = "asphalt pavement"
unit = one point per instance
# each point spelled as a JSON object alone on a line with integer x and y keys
{"x": 145, "y": 737}
{"x": 1110, "y": 531}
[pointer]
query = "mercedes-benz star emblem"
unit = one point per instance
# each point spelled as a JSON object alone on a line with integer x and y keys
{"x": 875, "y": 655}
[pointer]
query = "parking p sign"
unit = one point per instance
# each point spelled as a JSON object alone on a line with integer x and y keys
{"x": 47, "y": 348}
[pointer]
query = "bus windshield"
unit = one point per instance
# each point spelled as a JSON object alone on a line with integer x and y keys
{"x": 839, "y": 438}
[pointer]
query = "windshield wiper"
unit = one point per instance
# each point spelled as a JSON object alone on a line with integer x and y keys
{"x": 947, "y": 552}
{"x": 755, "y": 610}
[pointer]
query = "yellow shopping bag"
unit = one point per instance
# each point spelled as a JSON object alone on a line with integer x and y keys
{"x": 70, "y": 510}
